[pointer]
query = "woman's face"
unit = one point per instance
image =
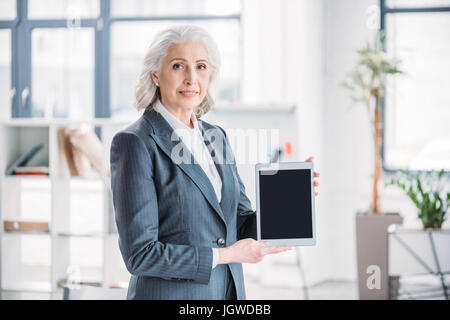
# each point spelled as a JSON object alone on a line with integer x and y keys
{"x": 184, "y": 76}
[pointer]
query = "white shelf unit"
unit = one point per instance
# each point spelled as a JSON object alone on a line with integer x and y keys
{"x": 82, "y": 242}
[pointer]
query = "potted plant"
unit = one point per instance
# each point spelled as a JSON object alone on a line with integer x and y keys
{"x": 429, "y": 193}
{"x": 367, "y": 83}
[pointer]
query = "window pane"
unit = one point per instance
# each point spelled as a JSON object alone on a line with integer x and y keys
{"x": 174, "y": 7}
{"x": 418, "y": 103}
{"x": 417, "y": 3}
{"x": 65, "y": 9}
{"x": 5, "y": 71}
{"x": 7, "y": 9}
{"x": 127, "y": 54}
{"x": 63, "y": 73}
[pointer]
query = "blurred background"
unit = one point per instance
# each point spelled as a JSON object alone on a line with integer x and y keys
{"x": 68, "y": 69}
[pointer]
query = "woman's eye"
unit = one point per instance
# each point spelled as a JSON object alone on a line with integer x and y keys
{"x": 202, "y": 66}
{"x": 176, "y": 66}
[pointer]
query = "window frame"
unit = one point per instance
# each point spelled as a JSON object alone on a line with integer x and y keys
{"x": 22, "y": 27}
{"x": 11, "y": 25}
{"x": 384, "y": 11}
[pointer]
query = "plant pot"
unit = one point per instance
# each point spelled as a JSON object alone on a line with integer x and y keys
{"x": 431, "y": 225}
{"x": 371, "y": 254}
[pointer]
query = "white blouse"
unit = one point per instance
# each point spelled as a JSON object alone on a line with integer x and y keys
{"x": 193, "y": 139}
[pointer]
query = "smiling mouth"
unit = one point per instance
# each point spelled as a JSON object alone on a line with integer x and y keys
{"x": 188, "y": 93}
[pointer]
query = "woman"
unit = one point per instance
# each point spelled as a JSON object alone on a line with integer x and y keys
{"x": 185, "y": 223}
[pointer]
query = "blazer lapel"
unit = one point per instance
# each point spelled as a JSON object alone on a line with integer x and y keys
{"x": 222, "y": 168}
{"x": 162, "y": 133}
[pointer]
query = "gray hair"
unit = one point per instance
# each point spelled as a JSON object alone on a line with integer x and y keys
{"x": 147, "y": 92}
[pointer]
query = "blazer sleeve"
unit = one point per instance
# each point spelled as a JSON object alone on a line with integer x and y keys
{"x": 246, "y": 217}
{"x": 136, "y": 213}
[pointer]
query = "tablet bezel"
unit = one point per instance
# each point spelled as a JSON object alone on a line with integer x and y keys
{"x": 286, "y": 166}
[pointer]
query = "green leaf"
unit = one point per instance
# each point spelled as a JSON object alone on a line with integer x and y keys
{"x": 419, "y": 186}
{"x": 413, "y": 197}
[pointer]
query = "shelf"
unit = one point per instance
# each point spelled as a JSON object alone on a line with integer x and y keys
{"x": 30, "y": 286}
{"x": 397, "y": 229}
{"x": 78, "y": 208}
{"x": 26, "y": 233}
{"x": 42, "y": 122}
{"x": 80, "y": 235}
{"x": 25, "y": 122}
{"x": 79, "y": 178}
{"x": 31, "y": 177}
{"x": 59, "y": 234}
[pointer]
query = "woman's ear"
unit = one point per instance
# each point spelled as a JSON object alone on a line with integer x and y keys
{"x": 155, "y": 78}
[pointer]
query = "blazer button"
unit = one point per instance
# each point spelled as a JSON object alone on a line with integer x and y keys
{"x": 221, "y": 241}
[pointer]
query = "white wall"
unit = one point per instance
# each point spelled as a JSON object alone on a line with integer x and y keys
{"x": 303, "y": 70}
{"x": 347, "y": 141}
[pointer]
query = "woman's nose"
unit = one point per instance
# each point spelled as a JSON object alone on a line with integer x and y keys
{"x": 190, "y": 76}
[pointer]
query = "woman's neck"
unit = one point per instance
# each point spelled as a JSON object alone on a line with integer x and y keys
{"x": 184, "y": 115}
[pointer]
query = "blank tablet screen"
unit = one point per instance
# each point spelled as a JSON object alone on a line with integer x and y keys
{"x": 285, "y": 204}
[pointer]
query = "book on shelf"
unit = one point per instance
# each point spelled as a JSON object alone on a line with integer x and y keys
{"x": 119, "y": 285}
{"x": 31, "y": 170}
{"x": 30, "y": 174}
{"x": 80, "y": 150}
{"x": 25, "y": 225}
{"x": 24, "y": 159}
{"x": 86, "y": 282}
{"x": 72, "y": 162}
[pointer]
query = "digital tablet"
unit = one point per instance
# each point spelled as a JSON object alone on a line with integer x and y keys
{"x": 285, "y": 211}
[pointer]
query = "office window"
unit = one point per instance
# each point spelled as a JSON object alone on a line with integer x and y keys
{"x": 141, "y": 8}
{"x": 63, "y": 73}
{"x": 7, "y": 9}
{"x": 5, "y": 68}
{"x": 417, "y": 3}
{"x": 127, "y": 55}
{"x": 417, "y": 104}
{"x": 63, "y": 9}
{"x": 92, "y": 71}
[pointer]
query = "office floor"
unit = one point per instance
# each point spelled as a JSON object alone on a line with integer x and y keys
{"x": 328, "y": 290}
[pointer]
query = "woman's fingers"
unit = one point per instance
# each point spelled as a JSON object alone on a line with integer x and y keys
{"x": 316, "y": 174}
{"x": 276, "y": 249}
{"x": 311, "y": 159}
{"x": 316, "y": 183}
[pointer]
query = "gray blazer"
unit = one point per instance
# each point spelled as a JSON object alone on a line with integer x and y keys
{"x": 168, "y": 215}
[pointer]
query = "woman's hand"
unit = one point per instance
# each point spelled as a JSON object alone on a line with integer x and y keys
{"x": 316, "y": 174}
{"x": 248, "y": 250}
